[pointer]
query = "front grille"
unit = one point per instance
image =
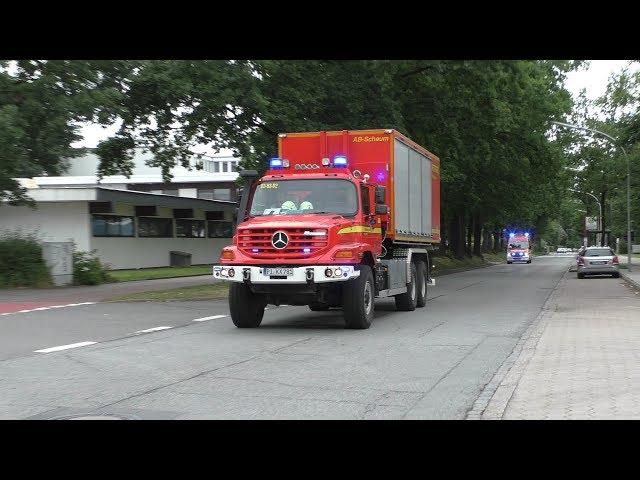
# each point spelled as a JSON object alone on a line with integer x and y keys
{"x": 250, "y": 239}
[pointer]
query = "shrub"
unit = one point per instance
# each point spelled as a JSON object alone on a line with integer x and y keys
{"x": 88, "y": 270}
{"x": 21, "y": 262}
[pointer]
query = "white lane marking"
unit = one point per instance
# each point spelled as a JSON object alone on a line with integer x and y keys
{"x": 154, "y": 329}
{"x": 40, "y": 309}
{"x": 204, "y": 319}
{"x": 64, "y": 347}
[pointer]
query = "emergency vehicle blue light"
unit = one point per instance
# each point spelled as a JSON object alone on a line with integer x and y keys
{"x": 306, "y": 250}
{"x": 380, "y": 176}
{"x": 255, "y": 250}
{"x": 275, "y": 163}
{"x": 340, "y": 161}
{"x": 526, "y": 234}
{"x": 511, "y": 234}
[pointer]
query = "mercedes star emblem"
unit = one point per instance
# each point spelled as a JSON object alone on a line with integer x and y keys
{"x": 280, "y": 240}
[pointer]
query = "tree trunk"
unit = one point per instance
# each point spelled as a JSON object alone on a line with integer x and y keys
{"x": 602, "y": 221}
{"x": 469, "y": 236}
{"x": 486, "y": 240}
{"x": 477, "y": 236}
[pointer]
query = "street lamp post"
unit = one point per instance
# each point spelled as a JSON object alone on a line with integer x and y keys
{"x": 615, "y": 142}
{"x": 600, "y": 218}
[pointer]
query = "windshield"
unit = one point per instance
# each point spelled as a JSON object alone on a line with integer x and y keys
{"x": 522, "y": 245}
{"x": 293, "y": 197}
{"x": 599, "y": 252}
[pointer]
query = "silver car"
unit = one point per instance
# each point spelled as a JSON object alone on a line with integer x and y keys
{"x": 596, "y": 261}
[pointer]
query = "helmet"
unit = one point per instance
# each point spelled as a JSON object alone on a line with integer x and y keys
{"x": 289, "y": 205}
{"x": 306, "y": 206}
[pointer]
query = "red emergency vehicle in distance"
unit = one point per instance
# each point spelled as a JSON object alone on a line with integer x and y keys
{"x": 340, "y": 218}
{"x": 519, "y": 248}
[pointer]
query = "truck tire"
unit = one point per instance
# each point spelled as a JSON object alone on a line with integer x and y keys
{"x": 247, "y": 309}
{"x": 422, "y": 283}
{"x": 406, "y": 302}
{"x": 357, "y": 300}
{"x": 580, "y": 275}
{"x": 318, "y": 307}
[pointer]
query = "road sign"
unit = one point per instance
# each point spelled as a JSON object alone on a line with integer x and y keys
{"x": 591, "y": 224}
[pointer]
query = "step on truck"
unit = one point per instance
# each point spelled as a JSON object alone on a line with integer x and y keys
{"x": 339, "y": 219}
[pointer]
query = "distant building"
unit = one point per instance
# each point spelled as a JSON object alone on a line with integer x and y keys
{"x": 133, "y": 222}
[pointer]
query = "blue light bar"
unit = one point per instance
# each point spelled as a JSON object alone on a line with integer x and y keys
{"x": 340, "y": 161}
{"x": 306, "y": 250}
{"x": 526, "y": 234}
{"x": 275, "y": 163}
{"x": 511, "y": 234}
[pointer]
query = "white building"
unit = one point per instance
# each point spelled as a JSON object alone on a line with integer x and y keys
{"x": 133, "y": 222}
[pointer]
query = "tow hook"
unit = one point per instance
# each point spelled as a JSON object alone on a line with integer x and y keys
{"x": 309, "y": 276}
{"x": 246, "y": 275}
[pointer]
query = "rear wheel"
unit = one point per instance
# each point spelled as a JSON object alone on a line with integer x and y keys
{"x": 528, "y": 261}
{"x": 422, "y": 282}
{"x": 318, "y": 307}
{"x": 406, "y": 302}
{"x": 357, "y": 299}
{"x": 509, "y": 262}
{"x": 247, "y": 308}
{"x": 616, "y": 275}
{"x": 581, "y": 275}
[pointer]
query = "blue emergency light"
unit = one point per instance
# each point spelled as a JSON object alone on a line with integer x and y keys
{"x": 526, "y": 234}
{"x": 511, "y": 234}
{"x": 275, "y": 163}
{"x": 340, "y": 161}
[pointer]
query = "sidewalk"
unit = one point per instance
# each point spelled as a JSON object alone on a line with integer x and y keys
{"x": 632, "y": 277}
{"x": 579, "y": 360}
{"x": 24, "y": 298}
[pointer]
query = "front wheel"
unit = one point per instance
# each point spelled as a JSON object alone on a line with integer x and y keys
{"x": 247, "y": 308}
{"x": 407, "y": 302}
{"x": 357, "y": 300}
{"x": 528, "y": 261}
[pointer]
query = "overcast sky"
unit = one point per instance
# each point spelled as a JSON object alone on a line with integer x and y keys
{"x": 594, "y": 80}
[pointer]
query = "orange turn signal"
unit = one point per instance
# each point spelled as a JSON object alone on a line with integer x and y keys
{"x": 344, "y": 254}
{"x": 227, "y": 255}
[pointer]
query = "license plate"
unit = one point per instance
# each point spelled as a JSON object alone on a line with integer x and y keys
{"x": 278, "y": 272}
{"x": 598, "y": 263}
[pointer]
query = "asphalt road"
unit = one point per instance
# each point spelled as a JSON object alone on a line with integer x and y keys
{"x": 431, "y": 363}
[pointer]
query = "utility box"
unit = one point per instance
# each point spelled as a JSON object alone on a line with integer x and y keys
{"x": 59, "y": 259}
{"x": 179, "y": 259}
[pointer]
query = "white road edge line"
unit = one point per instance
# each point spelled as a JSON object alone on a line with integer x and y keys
{"x": 154, "y": 329}
{"x": 40, "y": 309}
{"x": 204, "y": 319}
{"x": 64, "y": 347}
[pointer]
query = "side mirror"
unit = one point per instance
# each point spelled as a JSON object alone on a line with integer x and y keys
{"x": 382, "y": 209}
{"x": 380, "y": 195}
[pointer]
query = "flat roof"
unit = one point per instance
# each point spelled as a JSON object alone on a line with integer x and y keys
{"x": 104, "y": 194}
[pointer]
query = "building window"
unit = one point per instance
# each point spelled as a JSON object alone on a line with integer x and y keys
{"x": 221, "y": 194}
{"x": 155, "y": 227}
{"x": 190, "y": 228}
{"x": 111, "y": 226}
{"x": 216, "y": 167}
{"x": 220, "y": 229}
{"x": 205, "y": 194}
{"x": 224, "y": 166}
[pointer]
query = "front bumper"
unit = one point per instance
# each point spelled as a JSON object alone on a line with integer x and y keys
{"x": 301, "y": 275}
{"x": 522, "y": 258}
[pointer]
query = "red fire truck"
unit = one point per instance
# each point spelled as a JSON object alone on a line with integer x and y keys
{"x": 340, "y": 218}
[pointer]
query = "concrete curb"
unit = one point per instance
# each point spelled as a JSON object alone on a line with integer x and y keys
{"x": 627, "y": 277}
{"x": 492, "y": 403}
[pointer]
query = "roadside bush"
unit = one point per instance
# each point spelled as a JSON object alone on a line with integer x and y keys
{"x": 21, "y": 262}
{"x": 88, "y": 270}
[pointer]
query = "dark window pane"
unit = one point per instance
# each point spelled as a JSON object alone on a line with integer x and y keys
{"x": 155, "y": 227}
{"x": 99, "y": 226}
{"x": 190, "y": 228}
{"x": 220, "y": 229}
{"x": 111, "y": 226}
